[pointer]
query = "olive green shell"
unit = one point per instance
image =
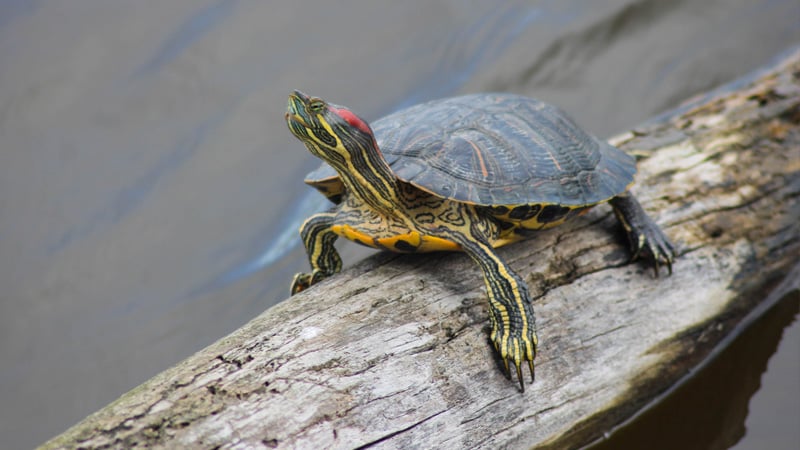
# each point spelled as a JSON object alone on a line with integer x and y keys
{"x": 495, "y": 149}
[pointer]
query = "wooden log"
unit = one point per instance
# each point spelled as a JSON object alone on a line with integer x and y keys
{"x": 394, "y": 352}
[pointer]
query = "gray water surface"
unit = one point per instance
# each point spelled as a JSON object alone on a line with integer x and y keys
{"x": 150, "y": 192}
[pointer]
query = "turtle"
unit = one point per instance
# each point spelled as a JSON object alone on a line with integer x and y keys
{"x": 468, "y": 173}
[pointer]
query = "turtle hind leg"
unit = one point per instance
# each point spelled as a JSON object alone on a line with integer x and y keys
{"x": 645, "y": 237}
{"x": 318, "y": 238}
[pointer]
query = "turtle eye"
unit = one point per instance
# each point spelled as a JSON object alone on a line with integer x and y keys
{"x": 316, "y": 105}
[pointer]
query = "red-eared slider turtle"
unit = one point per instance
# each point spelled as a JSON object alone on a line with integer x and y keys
{"x": 467, "y": 173}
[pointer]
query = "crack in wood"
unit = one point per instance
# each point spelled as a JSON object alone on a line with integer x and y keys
{"x": 394, "y": 434}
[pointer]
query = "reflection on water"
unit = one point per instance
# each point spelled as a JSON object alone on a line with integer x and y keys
{"x": 471, "y": 49}
{"x": 150, "y": 193}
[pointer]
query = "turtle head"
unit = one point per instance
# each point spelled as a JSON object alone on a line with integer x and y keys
{"x": 345, "y": 142}
{"x": 329, "y": 131}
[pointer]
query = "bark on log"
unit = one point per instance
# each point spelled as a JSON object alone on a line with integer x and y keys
{"x": 394, "y": 353}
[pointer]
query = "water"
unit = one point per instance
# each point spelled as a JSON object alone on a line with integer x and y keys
{"x": 149, "y": 189}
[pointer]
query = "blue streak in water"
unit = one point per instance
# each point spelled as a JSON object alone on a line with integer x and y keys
{"x": 311, "y": 202}
{"x": 130, "y": 197}
{"x": 281, "y": 245}
{"x": 194, "y": 28}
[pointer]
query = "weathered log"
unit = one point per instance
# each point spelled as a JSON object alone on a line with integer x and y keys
{"x": 394, "y": 352}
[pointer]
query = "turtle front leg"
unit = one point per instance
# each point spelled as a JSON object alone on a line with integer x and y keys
{"x": 644, "y": 236}
{"x": 510, "y": 310}
{"x": 318, "y": 237}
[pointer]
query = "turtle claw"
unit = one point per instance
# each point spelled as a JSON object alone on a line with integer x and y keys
{"x": 300, "y": 283}
{"x": 651, "y": 243}
{"x": 517, "y": 350}
{"x": 519, "y": 377}
{"x": 533, "y": 373}
{"x": 519, "y": 374}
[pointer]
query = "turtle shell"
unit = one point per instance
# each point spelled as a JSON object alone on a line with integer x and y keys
{"x": 495, "y": 149}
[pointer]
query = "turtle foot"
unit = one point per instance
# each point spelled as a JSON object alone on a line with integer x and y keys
{"x": 303, "y": 281}
{"x": 648, "y": 241}
{"x": 515, "y": 350}
{"x": 645, "y": 237}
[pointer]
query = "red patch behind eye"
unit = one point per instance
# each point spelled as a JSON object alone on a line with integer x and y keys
{"x": 352, "y": 119}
